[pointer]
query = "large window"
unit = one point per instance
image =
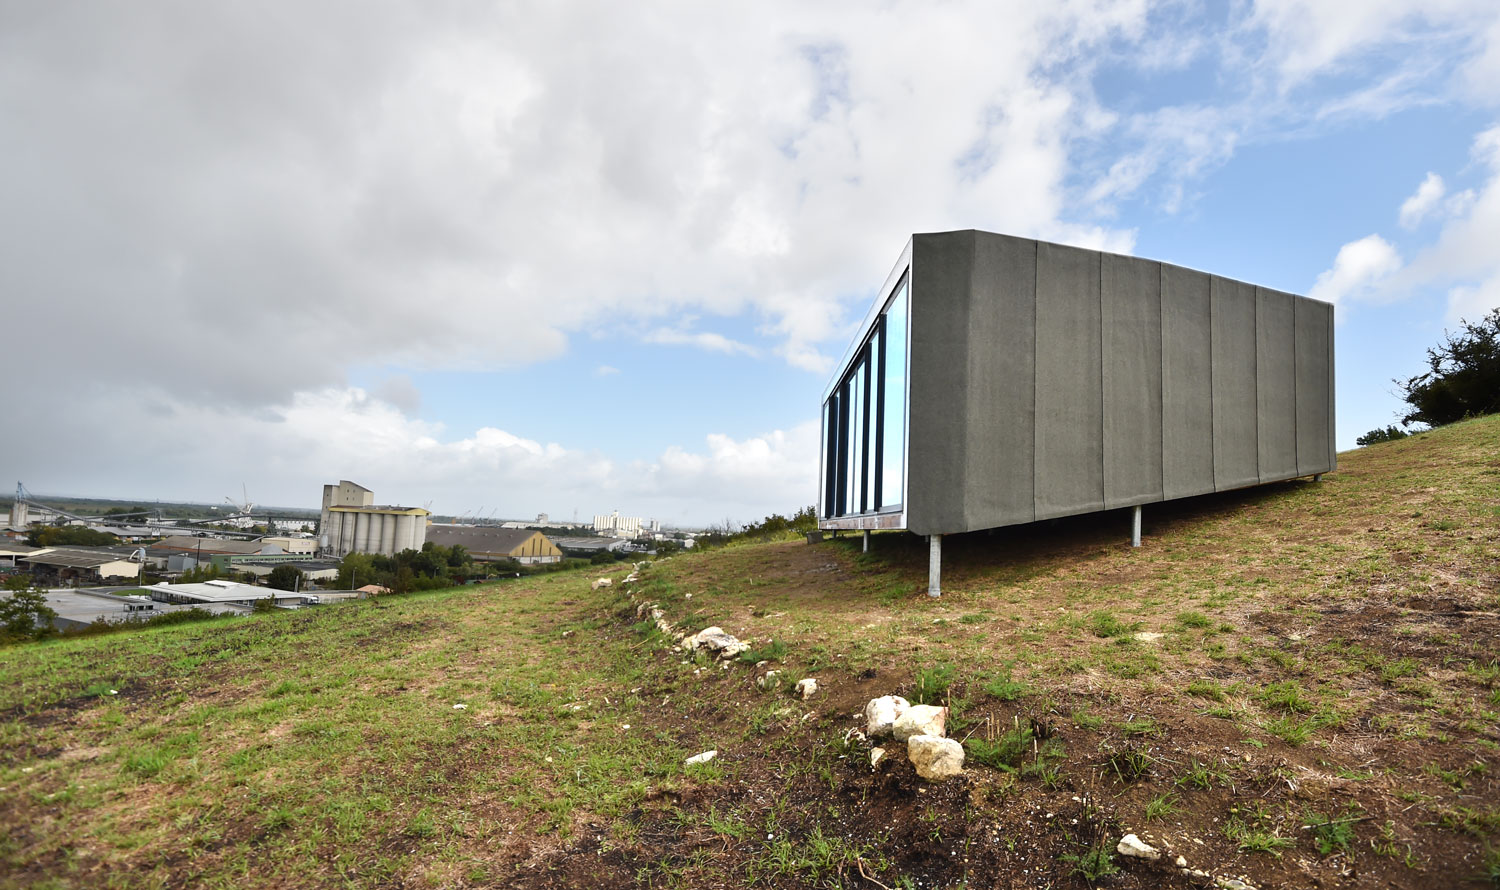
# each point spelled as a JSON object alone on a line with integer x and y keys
{"x": 864, "y": 421}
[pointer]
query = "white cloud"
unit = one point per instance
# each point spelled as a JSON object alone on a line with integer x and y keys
{"x": 1423, "y": 201}
{"x": 605, "y": 371}
{"x": 702, "y": 339}
{"x": 286, "y": 455}
{"x": 1358, "y": 268}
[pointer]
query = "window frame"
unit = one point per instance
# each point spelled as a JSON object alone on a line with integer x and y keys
{"x": 865, "y": 505}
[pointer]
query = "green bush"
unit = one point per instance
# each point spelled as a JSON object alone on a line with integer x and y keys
{"x": 1389, "y": 434}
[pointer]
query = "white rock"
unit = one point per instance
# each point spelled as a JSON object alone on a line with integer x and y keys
{"x": 1147, "y": 636}
{"x": 769, "y": 681}
{"x": 714, "y": 640}
{"x": 460, "y": 707}
{"x": 1181, "y": 862}
{"x": 807, "y": 688}
{"x": 881, "y": 714}
{"x": 1132, "y": 846}
{"x": 876, "y": 755}
{"x": 921, "y": 720}
{"x": 935, "y": 757}
{"x": 602, "y": 582}
{"x": 705, "y": 757}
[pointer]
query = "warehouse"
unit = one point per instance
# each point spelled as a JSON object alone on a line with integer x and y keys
{"x": 79, "y": 565}
{"x": 1000, "y": 380}
{"x": 491, "y": 544}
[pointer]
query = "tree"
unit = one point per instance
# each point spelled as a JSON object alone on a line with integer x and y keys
{"x": 64, "y": 535}
{"x": 284, "y": 577}
{"x": 1389, "y": 434}
{"x": 1463, "y": 376}
{"x": 356, "y": 570}
{"x": 25, "y": 615}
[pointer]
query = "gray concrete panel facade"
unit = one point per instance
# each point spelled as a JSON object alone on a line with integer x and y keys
{"x": 1312, "y": 323}
{"x": 1001, "y": 414}
{"x": 1187, "y": 426}
{"x": 1130, "y": 299}
{"x": 941, "y": 276}
{"x": 1049, "y": 381}
{"x": 1070, "y": 433}
{"x": 1236, "y": 462}
{"x": 1276, "y": 375}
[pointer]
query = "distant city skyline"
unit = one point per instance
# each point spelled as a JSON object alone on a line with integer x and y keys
{"x": 582, "y": 255}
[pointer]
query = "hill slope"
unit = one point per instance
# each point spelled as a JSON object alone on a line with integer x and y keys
{"x": 1319, "y": 708}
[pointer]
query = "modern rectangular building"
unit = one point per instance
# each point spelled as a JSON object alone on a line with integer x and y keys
{"x": 999, "y": 380}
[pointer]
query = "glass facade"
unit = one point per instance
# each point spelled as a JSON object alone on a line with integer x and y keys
{"x": 864, "y": 421}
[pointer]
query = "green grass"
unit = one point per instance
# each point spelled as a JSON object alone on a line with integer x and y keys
{"x": 1160, "y": 807}
{"x": 931, "y": 686}
{"x": 322, "y": 748}
{"x": 1003, "y": 687}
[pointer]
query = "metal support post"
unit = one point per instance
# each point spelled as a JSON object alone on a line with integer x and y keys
{"x": 1317, "y": 477}
{"x": 867, "y": 540}
{"x": 935, "y": 565}
{"x": 1135, "y": 526}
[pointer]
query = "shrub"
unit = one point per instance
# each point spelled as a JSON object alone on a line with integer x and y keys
{"x": 1389, "y": 434}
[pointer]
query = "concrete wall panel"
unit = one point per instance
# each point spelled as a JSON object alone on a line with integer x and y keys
{"x": 1187, "y": 429}
{"x": 1069, "y": 382}
{"x": 1276, "y": 366}
{"x": 1310, "y": 322}
{"x": 1001, "y": 398}
{"x": 1333, "y": 460}
{"x": 941, "y": 272}
{"x": 1131, "y": 304}
{"x": 1236, "y": 458}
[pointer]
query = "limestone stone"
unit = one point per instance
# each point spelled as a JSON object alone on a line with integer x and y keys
{"x": 881, "y": 714}
{"x": 921, "y": 720}
{"x": 715, "y": 641}
{"x": 807, "y": 688}
{"x": 935, "y": 757}
{"x": 1134, "y": 847}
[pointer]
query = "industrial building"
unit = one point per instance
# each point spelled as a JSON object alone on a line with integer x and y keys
{"x": 617, "y": 526}
{"x": 232, "y": 593}
{"x": 352, "y": 523}
{"x": 999, "y": 380}
{"x": 491, "y": 544}
{"x": 80, "y": 565}
{"x": 78, "y": 609}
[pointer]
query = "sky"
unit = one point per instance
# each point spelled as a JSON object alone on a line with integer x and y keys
{"x": 565, "y": 257}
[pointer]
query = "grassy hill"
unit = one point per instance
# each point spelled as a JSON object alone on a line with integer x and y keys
{"x": 1297, "y": 684}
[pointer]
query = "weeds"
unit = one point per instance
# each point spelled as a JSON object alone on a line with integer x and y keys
{"x": 932, "y": 684}
{"x": 1161, "y": 806}
{"x": 1332, "y": 835}
{"x": 1389, "y": 845}
{"x": 775, "y": 650}
{"x": 1098, "y": 862}
{"x": 1193, "y": 619}
{"x": 1206, "y": 689}
{"x": 1004, "y": 688}
{"x": 1004, "y": 752}
{"x": 1105, "y": 624}
{"x": 1256, "y": 835}
{"x": 1128, "y": 763}
{"x": 1287, "y": 695}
